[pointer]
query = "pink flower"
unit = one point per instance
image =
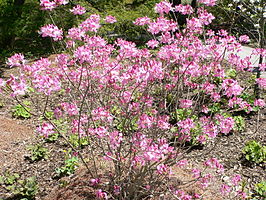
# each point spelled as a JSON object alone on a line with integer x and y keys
{"x": 162, "y": 122}
{"x": 205, "y": 109}
{"x": 186, "y": 124}
{"x": 162, "y": 25}
{"x": 205, "y": 17}
{"x": 205, "y": 180}
{"x": 261, "y": 82}
{"x": 53, "y": 31}
{"x": 115, "y": 138}
{"x": 225, "y": 189}
{"x": 101, "y": 113}
{"x": 214, "y": 163}
{"x": 195, "y": 25}
{"x": 141, "y": 21}
{"x": 91, "y": 24}
{"x": 242, "y": 194}
{"x": 244, "y": 39}
{"x": 101, "y": 195}
{"x": 70, "y": 109}
{"x": 145, "y": 121}
{"x": 236, "y": 179}
{"x": 57, "y": 113}
{"x": 76, "y": 34}
{"x": 197, "y": 196}
{"x": 2, "y": 82}
{"x": 152, "y": 43}
{"x": 184, "y": 9}
{"x": 61, "y": 2}
{"x": 182, "y": 163}
{"x": 185, "y": 103}
{"x": 208, "y": 2}
{"x": 78, "y": 10}
{"x": 196, "y": 173}
{"x": 163, "y": 7}
{"x": 47, "y": 5}
{"x": 16, "y": 60}
{"x": 46, "y": 83}
{"x": 100, "y": 132}
{"x": 226, "y": 124}
{"x": 231, "y": 87}
{"x": 259, "y": 102}
{"x": 259, "y": 51}
{"x": 117, "y": 190}
{"x": 19, "y": 88}
{"x": 163, "y": 169}
{"x": 262, "y": 67}
{"x": 94, "y": 181}
{"x": 46, "y": 129}
{"x": 110, "y": 19}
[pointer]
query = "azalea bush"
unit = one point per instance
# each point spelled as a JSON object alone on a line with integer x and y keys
{"x": 139, "y": 110}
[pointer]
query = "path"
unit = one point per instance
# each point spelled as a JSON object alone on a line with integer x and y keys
{"x": 247, "y": 51}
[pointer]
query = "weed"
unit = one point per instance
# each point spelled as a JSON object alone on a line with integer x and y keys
{"x": 71, "y": 163}
{"x": 239, "y": 123}
{"x": 22, "y": 111}
{"x": 78, "y": 142}
{"x": 255, "y": 152}
{"x": 38, "y": 152}
{"x": 260, "y": 189}
{"x": 25, "y": 189}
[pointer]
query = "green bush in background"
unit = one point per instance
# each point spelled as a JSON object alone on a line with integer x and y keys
{"x": 20, "y": 21}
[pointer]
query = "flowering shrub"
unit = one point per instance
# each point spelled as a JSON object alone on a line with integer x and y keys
{"x": 137, "y": 107}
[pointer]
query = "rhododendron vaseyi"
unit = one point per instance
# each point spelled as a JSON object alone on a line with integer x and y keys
{"x": 53, "y": 31}
{"x": 78, "y": 10}
{"x": 126, "y": 101}
{"x": 47, "y": 4}
{"x": 261, "y": 82}
{"x": 163, "y": 7}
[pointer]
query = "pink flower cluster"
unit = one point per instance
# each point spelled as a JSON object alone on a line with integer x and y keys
{"x": 261, "y": 82}
{"x": 91, "y": 24}
{"x": 184, "y": 9}
{"x": 50, "y": 5}
{"x": 231, "y": 87}
{"x": 163, "y": 7}
{"x": 46, "y": 129}
{"x": 16, "y": 60}
{"x": 131, "y": 102}
{"x": 78, "y": 10}
{"x": 208, "y": 2}
{"x": 244, "y": 39}
{"x": 53, "y": 31}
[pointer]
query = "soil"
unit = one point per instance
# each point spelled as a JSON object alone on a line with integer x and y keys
{"x": 16, "y": 135}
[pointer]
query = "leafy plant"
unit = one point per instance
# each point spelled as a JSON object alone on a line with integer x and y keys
{"x": 52, "y": 138}
{"x": 180, "y": 114}
{"x": 22, "y": 111}
{"x": 25, "y": 189}
{"x": 239, "y": 123}
{"x": 255, "y": 152}
{"x": 69, "y": 167}
{"x": 8, "y": 178}
{"x": 38, "y": 152}
{"x": 260, "y": 189}
{"x": 78, "y": 142}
